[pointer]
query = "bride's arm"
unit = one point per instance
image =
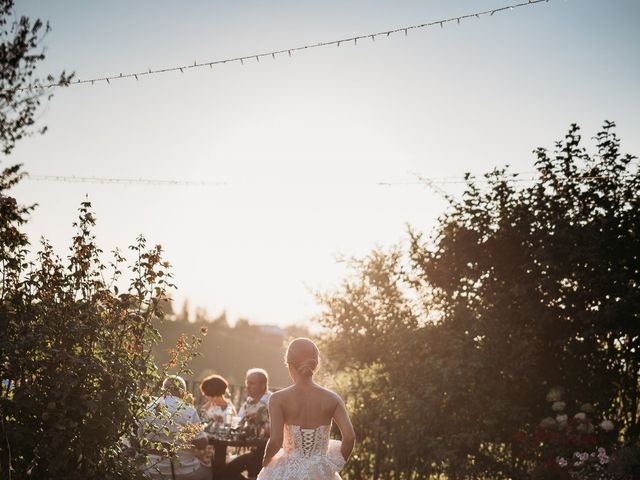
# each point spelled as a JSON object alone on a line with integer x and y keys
{"x": 277, "y": 426}
{"x": 341, "y": 417}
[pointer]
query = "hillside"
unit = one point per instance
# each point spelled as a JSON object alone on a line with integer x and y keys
{"x": 231, "y": 351}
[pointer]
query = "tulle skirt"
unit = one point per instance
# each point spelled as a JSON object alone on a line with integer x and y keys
{"x": 293, "y": 466}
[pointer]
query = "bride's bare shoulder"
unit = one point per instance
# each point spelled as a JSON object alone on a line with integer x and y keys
{"x": 280, "y": 394}
{"x": 283, "y": 392}
{"x": 330, "y": 394}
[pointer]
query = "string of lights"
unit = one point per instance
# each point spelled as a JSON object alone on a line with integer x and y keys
{"x": 420, "y": 180}
{"x": 125, "y": 181}
{"x": 509, "y": 178}
{"x": 289, "y": 51}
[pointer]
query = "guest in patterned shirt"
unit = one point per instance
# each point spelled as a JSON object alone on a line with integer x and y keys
{"x": 255, "y": 415}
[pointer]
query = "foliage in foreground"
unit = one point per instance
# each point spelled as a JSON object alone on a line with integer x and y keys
{"x": 76, "y": 352}
{"x": 450, "y": 348}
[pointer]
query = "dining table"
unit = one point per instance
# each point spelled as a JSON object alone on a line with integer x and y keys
{"x": 221, "y": 442}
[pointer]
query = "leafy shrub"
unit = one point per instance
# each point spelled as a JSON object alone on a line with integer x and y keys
{"x": 521, "y": 286}
{"x": 76, "y": 339}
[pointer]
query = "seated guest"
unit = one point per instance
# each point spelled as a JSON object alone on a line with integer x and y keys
{"x": 255, "y": 415}
{"x": 214, "y": 388}
{"x": 255, "y": 410}
{"x": 184, "y": 418}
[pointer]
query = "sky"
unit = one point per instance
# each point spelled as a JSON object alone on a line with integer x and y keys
{"x": 302, "y": 143}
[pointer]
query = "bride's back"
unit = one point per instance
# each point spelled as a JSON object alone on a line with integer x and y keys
{"x": 308, "y": 405}
{"x": 301, "y": 416}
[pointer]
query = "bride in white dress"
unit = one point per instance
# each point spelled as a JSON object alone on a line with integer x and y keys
{"x": 301, "y": 415}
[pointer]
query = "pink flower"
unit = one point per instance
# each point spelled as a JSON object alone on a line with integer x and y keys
{"x": 602, "y": 456}
{"x": 580, "y": 457}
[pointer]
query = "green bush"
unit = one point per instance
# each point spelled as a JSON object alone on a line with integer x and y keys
{"x": 521, "y": 286}
{"x": 76, "y": 340}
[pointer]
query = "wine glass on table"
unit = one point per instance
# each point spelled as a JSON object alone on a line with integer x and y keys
{"x": 236, "y": 423}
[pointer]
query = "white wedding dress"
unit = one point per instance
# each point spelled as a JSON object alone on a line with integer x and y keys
{"x": 306, "y": 454}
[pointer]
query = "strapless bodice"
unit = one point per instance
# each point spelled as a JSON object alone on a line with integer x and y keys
{"x": 306, "y": 454}
{"x": 306, "y": 442}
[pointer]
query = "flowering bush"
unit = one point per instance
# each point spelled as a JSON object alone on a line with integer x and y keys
{"x": 586, "y": 465}
{"x": 76, "y": 352}
{"x": 572, "y": 446}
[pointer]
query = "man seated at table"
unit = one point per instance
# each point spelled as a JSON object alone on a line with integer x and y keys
{"x": 184, "y": 418}
{"x": 255, "y": 417}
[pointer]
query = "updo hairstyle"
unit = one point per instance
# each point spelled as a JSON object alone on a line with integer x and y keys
{"x": 214, "y": 386}
{"x": 302, "y": 355}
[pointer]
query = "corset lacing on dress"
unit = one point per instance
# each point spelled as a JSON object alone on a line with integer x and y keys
{"x": 306, "y": 442}
{"x": 307, "y": 454}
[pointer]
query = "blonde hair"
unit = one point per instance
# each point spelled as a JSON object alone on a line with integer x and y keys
{"x": 303, "y": 355}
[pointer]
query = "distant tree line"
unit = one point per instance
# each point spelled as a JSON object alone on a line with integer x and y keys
{"x": 225, "y": 350}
